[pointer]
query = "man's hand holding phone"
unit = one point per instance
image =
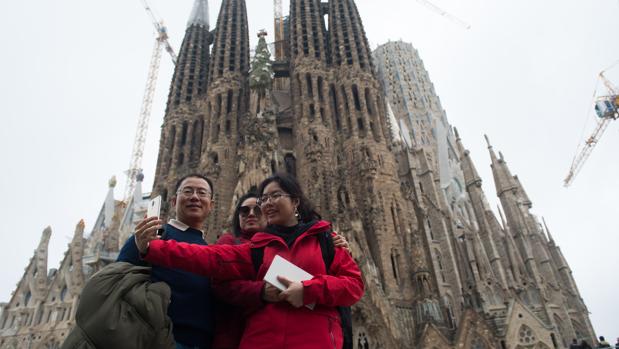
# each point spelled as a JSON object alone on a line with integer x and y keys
{"x": 145, "y": 232}
{"x": 151, "y": 227}
{"x": 154, "y": 210}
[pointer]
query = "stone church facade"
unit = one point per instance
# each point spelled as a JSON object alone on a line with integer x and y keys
{"x": 365, "y": 134}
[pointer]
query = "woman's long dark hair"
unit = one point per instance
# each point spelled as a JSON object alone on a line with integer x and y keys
{"x": 236, "y": 222}
{"x": 290, "y": 185}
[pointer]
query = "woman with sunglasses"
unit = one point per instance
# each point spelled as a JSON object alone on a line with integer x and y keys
{"x": 292, "y": 233}
{"x": 242, "y": 297}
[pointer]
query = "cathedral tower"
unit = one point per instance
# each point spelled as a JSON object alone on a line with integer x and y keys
{"x": 226, "y": 105}
{"x": 314, "y": 150}
{"x": 180, "y": 146}
{"x": 390, "y": 226}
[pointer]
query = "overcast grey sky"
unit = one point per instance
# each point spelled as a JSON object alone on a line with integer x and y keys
{"x": 72, "y": 77}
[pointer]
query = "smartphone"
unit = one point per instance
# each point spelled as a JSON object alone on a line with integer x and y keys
{"x": 154, "y": 207}
{"x": 154, "y": 210}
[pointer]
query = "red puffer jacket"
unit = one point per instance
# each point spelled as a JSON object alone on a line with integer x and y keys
{"x": 277, "y": 325}
{"x": 239, "y": 298}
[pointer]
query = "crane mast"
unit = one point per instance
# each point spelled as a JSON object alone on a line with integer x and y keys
{"x": 607, "y": 108}
{"x": 161, "y": 42}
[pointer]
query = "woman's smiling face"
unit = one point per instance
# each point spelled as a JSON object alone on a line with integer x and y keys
{"x": 277, "y": 206}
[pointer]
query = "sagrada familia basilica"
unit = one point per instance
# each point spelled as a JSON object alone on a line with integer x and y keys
{"x": 365, "y": 134}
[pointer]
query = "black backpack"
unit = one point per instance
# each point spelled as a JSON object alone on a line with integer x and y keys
{"x": 328, "y": 254}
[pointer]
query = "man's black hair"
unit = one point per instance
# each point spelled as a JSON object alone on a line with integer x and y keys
{"x": 236, "y": 222}
{"x": 195, "y": 175}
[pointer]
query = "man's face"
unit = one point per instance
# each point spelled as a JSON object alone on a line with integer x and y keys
{"x": 193, "y": 201}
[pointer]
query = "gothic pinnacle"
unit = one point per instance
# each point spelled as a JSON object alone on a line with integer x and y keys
{"x": 488, "y": 141}
{"x": 199, "y": 14}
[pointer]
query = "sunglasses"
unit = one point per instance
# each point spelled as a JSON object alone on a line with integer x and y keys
{"x": 245, "y": 210}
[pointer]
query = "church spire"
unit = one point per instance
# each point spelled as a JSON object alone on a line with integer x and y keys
{"x": 226, "y": 102}
{"x": 191, "y": 69}
{"x": 110, "y": 203}
{"x": 180, "y": 145}
{"x": 77, "y": 252}
{"x": 503, "y": 179}
{"x": 471, "y": 176}
{"x": 349, "y": 43}
{"x": 38, "y": 284}
{"x": 308, "y": 33}
{"x": 486, "y": 234}
{"x": 230, "y": 54}
{"x": 199, "y": 14}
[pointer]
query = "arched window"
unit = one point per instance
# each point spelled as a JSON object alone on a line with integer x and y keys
{"x": 218, "y": 107}
{"x": 27, "y": 298}
{"x": 291, "y": 164}
{"x": 196, "y": 141}
{"x": 172, "y": 140}
{"x": 310, "y": 90}
{"x": 335, "y": 107}
{"x": 439, "y": 261}
{"x": 368, "y": 101}
{"x": 394, "y": 265}
{"x": 63, "y": 293}
{"x": 229, "y": 102}
{"x": 355, "y": 95}
{"x": 184, "y": 133}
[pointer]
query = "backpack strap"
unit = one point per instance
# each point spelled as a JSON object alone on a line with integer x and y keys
{"x": 327, "y": 248}
{"x": 257, "y": 255}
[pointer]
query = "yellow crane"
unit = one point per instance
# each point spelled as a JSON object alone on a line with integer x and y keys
{"x": 607, "y": 110}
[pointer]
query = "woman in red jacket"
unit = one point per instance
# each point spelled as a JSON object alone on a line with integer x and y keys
{"x": 242, "y": 297}
{"x": 292, "y": 234}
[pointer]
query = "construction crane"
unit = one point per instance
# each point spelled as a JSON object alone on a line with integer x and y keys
{"x": 607, "y": 110}
{"x": 445, "y": 14}
{"x": 135, "y": 166}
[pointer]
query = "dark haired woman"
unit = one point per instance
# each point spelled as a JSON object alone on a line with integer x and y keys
{"x": 292, "y": 234}
{"x": 243, "y": 297}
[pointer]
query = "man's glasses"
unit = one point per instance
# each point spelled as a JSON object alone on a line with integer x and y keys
{"x": 244, "y": 211}
{"x": 189, "y": 191}
{"x": 272, "y": 196}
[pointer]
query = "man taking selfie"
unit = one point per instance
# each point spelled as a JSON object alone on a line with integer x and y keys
{"x": 192, "y": 307}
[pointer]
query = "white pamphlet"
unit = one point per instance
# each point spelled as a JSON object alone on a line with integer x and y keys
{"x": 282, "y": 267}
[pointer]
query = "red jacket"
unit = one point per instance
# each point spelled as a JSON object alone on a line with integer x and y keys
{"x": 277, "y": 325}
{"x": 239, "y": 298}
